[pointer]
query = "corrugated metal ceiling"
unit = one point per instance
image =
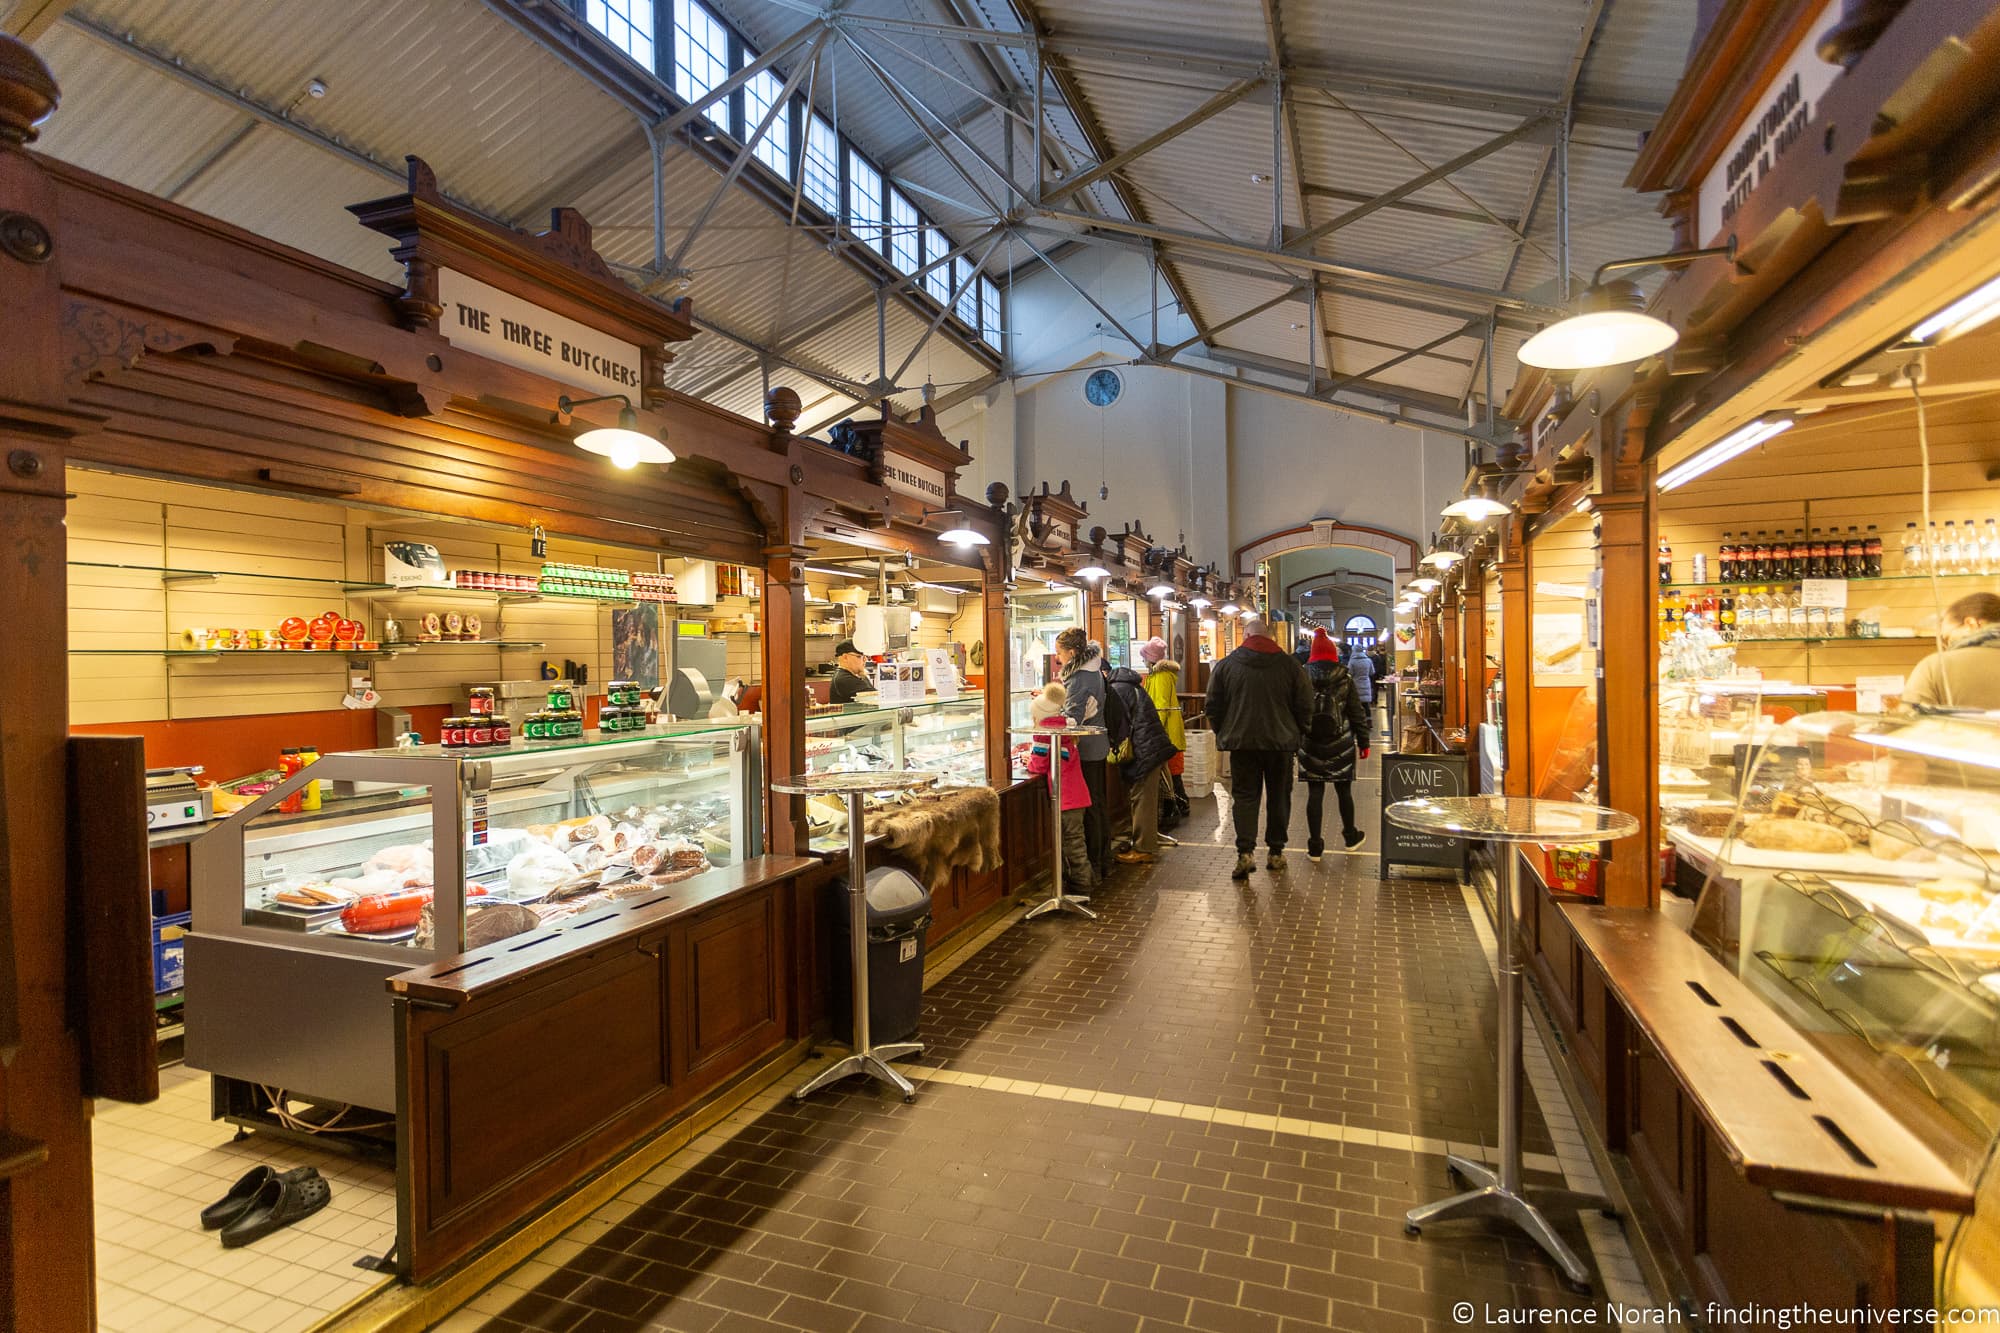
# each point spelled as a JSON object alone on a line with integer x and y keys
{"x": 1381, "y": 91}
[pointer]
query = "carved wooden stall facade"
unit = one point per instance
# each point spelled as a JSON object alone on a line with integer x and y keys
{"x": 147, "y": 339}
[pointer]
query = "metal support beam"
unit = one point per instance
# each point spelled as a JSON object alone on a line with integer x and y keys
{"x": 1413, "y": 399}
{"x": 1406, "y": 206}
{"x": 1183, "y": 61}
{"x": 1392, "y": 283}
{"x": 1351, "y": 409}
{"x": 1412, "y": 354}
{"x": 1526, "y": 130}
{"x": 909, "y": 110}
{"x": 780, "y": 106}
{"x": 698, "y": 108}
{"x": 1207, "y": 111}
{"x": 1112, "y": 319}
{"x": 1208, "y": 334}
{"x": 910, "y": 102}
{"x": 936, "y": 320}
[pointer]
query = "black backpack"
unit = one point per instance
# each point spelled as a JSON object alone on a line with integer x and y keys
{"x": 1117, "y": 721}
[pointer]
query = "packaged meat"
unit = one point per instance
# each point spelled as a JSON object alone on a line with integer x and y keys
{"x": 534, "y": 872}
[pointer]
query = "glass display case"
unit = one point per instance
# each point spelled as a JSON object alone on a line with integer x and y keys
{"x": 1034, "y": 617}
{"x": 423, "y": 854}
{"x": 942, "y": 736}
{"x": 1850, "y": 882}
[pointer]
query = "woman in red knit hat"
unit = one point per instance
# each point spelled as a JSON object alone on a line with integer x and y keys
{"x": 1336, "y": 737}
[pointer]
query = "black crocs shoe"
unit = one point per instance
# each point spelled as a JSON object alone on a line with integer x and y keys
{"x": 281, "y": 1201}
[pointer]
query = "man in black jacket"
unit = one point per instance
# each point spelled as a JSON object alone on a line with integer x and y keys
{"x": 1260, "y": 704}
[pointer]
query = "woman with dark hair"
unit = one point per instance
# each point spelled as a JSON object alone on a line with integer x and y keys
{"x": 1081, "y": 664}
{"x": 1965, "y": 673}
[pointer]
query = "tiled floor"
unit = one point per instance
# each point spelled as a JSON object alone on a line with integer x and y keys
{"x": 158, "y": 1165}
{"x": 1207, "y": 1110}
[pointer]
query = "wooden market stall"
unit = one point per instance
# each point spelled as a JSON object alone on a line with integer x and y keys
{"x": 1843, "y": 154}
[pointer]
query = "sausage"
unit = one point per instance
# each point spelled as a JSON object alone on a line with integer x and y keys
{"x": 380, "y": 913}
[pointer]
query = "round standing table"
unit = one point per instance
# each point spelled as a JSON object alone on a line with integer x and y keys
{"x": 1061, "y": 902}
{"x": 1508, "y": 820}
{"x": 867, "y": 1058}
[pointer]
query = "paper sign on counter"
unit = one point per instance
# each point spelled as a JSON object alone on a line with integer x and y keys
{"x": 1869, "y": 691}
{"x": 1830, "y": 593}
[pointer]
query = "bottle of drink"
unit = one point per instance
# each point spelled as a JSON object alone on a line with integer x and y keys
{"x": 1725, "y": 558}
{"x": 1781, "y": 556}
{"x": 1989, "y": 548}
{"x": 1760, "y": 558}
{"x": 1933, "y": 545}
{"x": 1666, "y": 563}
{"x": 1871, "y": 554}
{"x": 1725, "y": 618}
{"x": 288, "y": 765}
{"x": 1913, "y": 550}
{"x": 1856, "y": 552}
{"x": 309, "y": 795}
{"x": 1746, "y": 613}
{"x": 1949, "y": 553}
{"x": 1815, "y": 556}
{"x": 1801, "y": 550}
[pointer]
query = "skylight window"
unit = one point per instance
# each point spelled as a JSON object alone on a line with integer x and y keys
{"x": 989, "y": 313}
{"x": 967, "y": 307}
{"x": 774, "y": 150}
{"x": 822, "y": 167}
{"x": 906, "y": 242}
{"x": 629, "y": 25}
{"x": 864, "y": 202}
{"x": 701, "y": 49}
{"x": 938, "y": 281}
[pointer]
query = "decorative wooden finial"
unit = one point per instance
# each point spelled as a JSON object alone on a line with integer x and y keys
{"x": 28, "y": 92}
{"x": 782, "y": 407}
{"x": 997, "y": 493}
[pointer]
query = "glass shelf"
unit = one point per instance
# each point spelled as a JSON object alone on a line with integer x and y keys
{"x": 385, "y": 650}
{"x": 1792, "y": 583}
{"x": 1914, "y": 640}
{"x": 168, "y": 575}
{"x": 506, "y": 597}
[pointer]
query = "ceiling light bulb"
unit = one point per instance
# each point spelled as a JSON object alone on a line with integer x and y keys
{"x": 1198, "y": 603}
{"x": 1476, "y": 508}
{"x": 964, "y": 537}
{"x": 1093, "y": 573}
{"x": 624, "y": 444}
{"x": 1230, "y": 608}
{"x": 1159, "y": 590}
{"x": 1611, "y": 328}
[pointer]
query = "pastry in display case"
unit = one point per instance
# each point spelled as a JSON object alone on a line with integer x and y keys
{"x": 942, "y": 736}
{"x": 1850, "y": 881}
{"x": 301, "y": 914}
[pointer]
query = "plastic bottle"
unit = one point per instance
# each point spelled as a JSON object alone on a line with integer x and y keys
{"x": 309, "y": 795}
{"x": 1989, "y": 548}
{"x": 1666, "y": 563}
{"x": 1933, "y": 545}
{"x": 1913, "y": 550}
{"x": 1872, "y": 553}
{"x": 1949, "y": 554}
{"x": 288, "y": 766}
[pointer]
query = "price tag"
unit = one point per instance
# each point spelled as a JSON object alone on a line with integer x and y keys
{"x": 1829, "y": 593}
{"x": 1869, "y": 691}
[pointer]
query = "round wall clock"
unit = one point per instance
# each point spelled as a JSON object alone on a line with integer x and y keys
{"x": 1103, "y": 387}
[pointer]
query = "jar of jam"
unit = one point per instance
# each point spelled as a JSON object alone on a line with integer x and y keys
{"x": 480, "y": 702}
{"x": 479, "y": 732}
{"x": 503, "y": 731}
{"x": 561, "y": 698}
{"x": 611, "y": 719}
{"x": 535, "y": 727}
{"x": 451, "y": 733}
{"x": 623, "y": 692}
{"x": 572, "y": 725}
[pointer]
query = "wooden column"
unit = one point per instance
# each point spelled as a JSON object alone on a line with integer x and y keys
{"x": 1628, "y": 728}
{"x": 784, "y": 694}
{"x": 1093, "y": 609}
{"x": 1516, "y": 663}
{"x": 46, "y": 1247}
{"x": 999, "y": 685}
{"x": 1452, "y": 648}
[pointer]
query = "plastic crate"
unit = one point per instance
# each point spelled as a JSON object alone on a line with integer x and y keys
{"x": 170, "y": 951}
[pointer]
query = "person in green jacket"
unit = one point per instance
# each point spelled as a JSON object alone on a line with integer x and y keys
{"x": 1163, "y": 687}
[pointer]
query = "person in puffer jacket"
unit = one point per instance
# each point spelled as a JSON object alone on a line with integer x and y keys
{"x": 1335, "y": 737}
{"x": 1163, "y": 687}
{"x": 1151, "y": 748}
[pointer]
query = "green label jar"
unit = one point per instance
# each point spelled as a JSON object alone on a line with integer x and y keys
{"x": 561, "y": 699}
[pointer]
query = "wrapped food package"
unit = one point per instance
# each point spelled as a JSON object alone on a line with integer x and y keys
{"x": 536, "y": 871}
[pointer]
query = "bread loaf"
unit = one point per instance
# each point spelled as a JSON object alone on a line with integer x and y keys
{"x": 1795, "y": 835}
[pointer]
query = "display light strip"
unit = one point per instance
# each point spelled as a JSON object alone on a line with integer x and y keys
{"x": 1740, "y": 441}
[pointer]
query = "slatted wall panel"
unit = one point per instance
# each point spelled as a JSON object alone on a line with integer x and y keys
{"x": 1853, "y": 469}
{"x": 154, "y": 525}
{"x": 1565, "y": 553}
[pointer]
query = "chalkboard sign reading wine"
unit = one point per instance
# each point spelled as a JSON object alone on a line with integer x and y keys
{"x": 1407, "y": 777}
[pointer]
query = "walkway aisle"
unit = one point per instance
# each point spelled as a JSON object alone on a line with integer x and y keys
{"x": 1209, "y": 1110}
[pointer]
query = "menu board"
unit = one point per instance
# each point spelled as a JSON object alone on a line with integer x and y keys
{"x": 1406, "y": 777}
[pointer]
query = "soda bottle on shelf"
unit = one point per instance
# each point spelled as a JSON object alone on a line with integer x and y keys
{"x": 1781, "y": 556}
{"x": 1871, "y": 554}
{"x": 1666, "y": 563}
{"x": 1800, "y": 550}
{"x": 1760, "y": 558}
{"x": 1856, "y": 552}
{"x": 1725, "y": 618}
{"x": 1989, "y": 548}
{"x": 1815, "y": 556}
{"x": 1725, "y": 558}
{"x": 1913, "y": 550}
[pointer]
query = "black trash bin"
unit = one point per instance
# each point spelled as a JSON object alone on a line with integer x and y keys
{"x": 899, "y": 912}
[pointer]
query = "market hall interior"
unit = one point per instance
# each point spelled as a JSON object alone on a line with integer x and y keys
{"x": 740, "y": 665}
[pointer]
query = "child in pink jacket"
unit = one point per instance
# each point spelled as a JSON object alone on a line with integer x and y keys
{"x": 1047, "y": 707}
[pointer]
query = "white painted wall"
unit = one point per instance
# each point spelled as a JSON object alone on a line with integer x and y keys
{"x": 1181, "y": 453}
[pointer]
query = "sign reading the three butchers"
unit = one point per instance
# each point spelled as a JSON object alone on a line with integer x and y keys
{"x": 483, "y": 319}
